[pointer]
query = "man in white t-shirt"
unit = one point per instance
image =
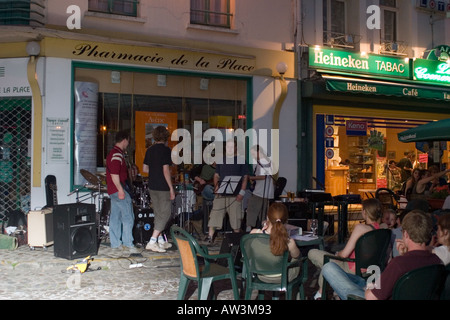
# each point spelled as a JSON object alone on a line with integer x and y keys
{"x": 264, "y": 188}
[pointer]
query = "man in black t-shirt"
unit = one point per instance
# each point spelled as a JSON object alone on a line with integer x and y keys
{"x": 406, "y": 166}
{"x": 157, "y": 164}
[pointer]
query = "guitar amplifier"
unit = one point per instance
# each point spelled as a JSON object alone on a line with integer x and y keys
{"x": 40, "y": 228}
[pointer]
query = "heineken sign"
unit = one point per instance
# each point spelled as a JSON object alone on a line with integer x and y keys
{"x": 351, "y": 62}
{"x": 437, "y": 72}
{"x": 388, "y": 89}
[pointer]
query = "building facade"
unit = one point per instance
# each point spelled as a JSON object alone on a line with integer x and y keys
{"x": 370, "y": 70}
{"x": 73, "y": 73}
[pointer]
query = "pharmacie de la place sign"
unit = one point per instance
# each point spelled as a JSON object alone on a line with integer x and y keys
{"x": 356, "y": 62}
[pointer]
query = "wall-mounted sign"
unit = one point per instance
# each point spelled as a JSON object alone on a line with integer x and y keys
{"x": 356, "y": 128}
{"x": 13, "y": 78}
{"x": 432, "y": 71}
{"x": 151, "y": 56}
{"x": 344, "y": 61}
{"x": 441, "y": 53}
{"x": 435, "y": 6}
{"x": 388, "y": 89}
{"x": 57, "y": 140}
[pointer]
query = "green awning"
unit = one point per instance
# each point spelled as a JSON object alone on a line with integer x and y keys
{"x": 373, "y": 87}
{"x": 433, "y": 131}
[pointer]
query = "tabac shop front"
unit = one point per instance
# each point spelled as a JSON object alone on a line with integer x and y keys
{"x": 357, "y": 103}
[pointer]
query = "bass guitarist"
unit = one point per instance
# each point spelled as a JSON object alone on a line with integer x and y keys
{"x": 204, "y": 183}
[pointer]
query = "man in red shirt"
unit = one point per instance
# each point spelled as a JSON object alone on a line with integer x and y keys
{"x": 121, "y": 219}
{"x": 417, "y": 227}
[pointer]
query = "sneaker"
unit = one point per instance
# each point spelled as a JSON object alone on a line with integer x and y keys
{"x": 209, "y": 241}
{"x": 154, "y": 247}
{"x": 318, "y": 296}
{"x": 165, "y": 245}
{"x": 133, "y": 250}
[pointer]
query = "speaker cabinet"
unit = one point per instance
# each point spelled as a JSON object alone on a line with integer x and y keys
{"x": 75, "y": 230}
{"x": 143, "y": 225}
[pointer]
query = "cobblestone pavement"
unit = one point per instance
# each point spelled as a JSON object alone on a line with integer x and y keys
{"x": 38, "y": 275}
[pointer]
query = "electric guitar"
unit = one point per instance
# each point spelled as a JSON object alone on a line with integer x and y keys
{"x": 198, "y": 187}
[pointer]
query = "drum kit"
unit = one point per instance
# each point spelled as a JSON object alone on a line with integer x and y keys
{"x": 182, "y": 206}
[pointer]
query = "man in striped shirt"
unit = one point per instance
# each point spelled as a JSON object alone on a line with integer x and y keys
{"x": 121, "y": 219}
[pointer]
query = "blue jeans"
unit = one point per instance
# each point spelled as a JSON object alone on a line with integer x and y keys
{"x": 121, "y": 221}
{"x": 343, "y": 283}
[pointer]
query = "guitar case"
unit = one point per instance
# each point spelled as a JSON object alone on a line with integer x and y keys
{"x": 50, "y": 191}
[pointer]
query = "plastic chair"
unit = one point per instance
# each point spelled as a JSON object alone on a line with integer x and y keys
{"x": 259, "y": 262}
{"x": 387, "y": 197}
{"x": 424, "y": 283}
{"x": 372, "y": 249}
{"x": 192, "y": 254}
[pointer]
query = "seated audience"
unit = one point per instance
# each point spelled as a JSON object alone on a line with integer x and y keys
{"x": 419, "y": 189}
{"x": 277, "y": 217}
{"x": 417, "y": 227}
{"x": 389, "y": 219}
{"x": 371, "y": 211}
{"x": 436, "y": 182}
{"x": 441, "y": 245}
{"x": 416, "y": 175}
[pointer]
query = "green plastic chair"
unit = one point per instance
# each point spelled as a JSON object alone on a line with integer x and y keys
{"x": 372, "y": 249}
{"x": 259, "y": 262}
{"x": 198, "y": 265}
{"x": 424, "y": 283}
{"x": 446, "y": 292}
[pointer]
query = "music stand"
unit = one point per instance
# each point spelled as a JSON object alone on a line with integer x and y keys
{"x": 228, "y": 185}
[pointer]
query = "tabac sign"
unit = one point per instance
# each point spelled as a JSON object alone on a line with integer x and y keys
{"x": 351, "y": 62}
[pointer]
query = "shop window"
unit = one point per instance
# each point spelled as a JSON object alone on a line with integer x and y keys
{"x": 140, "y": 101}
{"x": 335, "y": 33}
{"x": 22, "y": 12}
{"x": 361, "y": 150}
{"x": 215, "y": 13}
{"x": 119, "y": 7}
{"x": 390, "y": 43}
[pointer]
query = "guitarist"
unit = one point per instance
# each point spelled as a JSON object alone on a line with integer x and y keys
{"x": 122, "y": 215}
{"x": 204, "y": 183}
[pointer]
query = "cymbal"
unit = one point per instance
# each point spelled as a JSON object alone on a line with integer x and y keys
{"x": 96, "y": 188}
{"x": 101, "y": 177}
{"x": 91, "y": 178}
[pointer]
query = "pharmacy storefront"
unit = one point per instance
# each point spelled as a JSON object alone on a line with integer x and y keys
{"x": 78, "y": 94}
{"x": 358, "y": 103}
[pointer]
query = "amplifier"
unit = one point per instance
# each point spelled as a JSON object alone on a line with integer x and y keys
{"x": 40, "y": 228}
{"x": 75, "y": 230}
